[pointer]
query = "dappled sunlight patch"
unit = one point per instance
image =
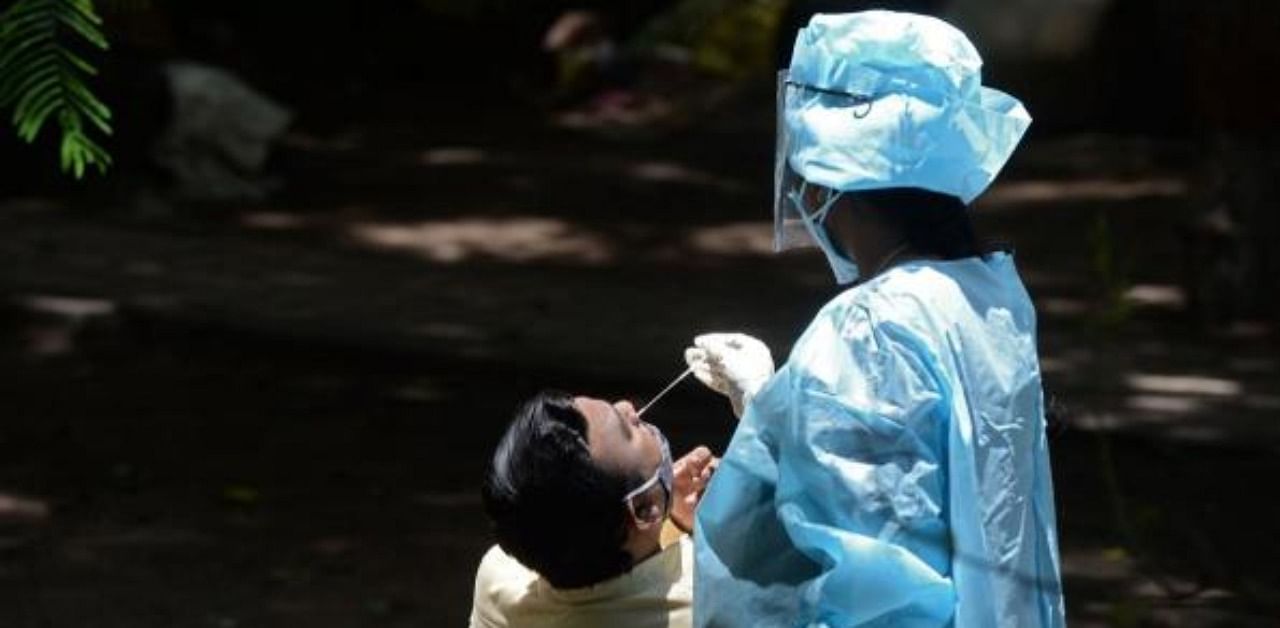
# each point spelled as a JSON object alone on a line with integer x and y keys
{"x": 1189, "y": 428}
{"x": 1066, "y": 360}
{"x": 671, "y": 172}
{"x": 1156, "y": 295}
{"x": 1187, "y": 419}
{"x": 1011, "y": 194}
{"x": 1184, "y": 385}
{"x": 453, "y": 156}
{"x": 1050, "y": 364}
{"x": 1138, "y": 591}
{"x": 733, "y": 239}
{"x": 1188, "y": 591}
{"x": 273, "y": 221}
{"x": 1164, "y": 404}
{"x": 1099, "y": 421}
{"x": 72, "y": 308}
{"x": 1063, "y": 307}
{"x": 58, "y": 321}
{"x": 1247, "y": 330}
{"x": 20, "y": 509}
{"x": 528, "y": 165}
{"x": 523, "y": 239}
{"x": 1098, "y": 563}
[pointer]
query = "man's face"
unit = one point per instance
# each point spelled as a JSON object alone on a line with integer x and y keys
{"x": 619, "y": 440}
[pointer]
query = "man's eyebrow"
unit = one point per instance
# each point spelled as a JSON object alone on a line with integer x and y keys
{"x": 622, "y": 423}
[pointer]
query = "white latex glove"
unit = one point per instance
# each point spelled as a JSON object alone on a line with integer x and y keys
{"x": 734, "y": 365}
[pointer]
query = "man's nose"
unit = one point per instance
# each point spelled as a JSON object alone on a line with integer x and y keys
{"x": 626, "y": 409}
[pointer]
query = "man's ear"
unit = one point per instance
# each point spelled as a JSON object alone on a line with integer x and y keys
{"x": 644, "y": 516}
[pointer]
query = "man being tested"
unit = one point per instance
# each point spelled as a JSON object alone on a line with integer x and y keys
{"x": 592, "y": 518}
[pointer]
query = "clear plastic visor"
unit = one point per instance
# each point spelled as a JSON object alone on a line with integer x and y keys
{"x": 794, "y": 198}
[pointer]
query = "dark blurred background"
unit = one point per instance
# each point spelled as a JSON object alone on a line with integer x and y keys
{"x": 251, "y": 375}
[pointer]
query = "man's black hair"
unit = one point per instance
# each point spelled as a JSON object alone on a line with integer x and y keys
{"x": 931, "y": 223}
{"x": 553, "y": 508}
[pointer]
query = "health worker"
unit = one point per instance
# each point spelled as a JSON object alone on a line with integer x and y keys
{"x": 894, "y": 471}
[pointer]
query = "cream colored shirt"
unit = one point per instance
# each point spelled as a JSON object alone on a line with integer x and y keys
{"x": 657, "y": 593}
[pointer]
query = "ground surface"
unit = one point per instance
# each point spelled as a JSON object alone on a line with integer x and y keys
{"x": 276, "y": 413}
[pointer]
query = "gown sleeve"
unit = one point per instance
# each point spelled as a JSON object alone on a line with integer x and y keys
{"x": 828, "y": 508}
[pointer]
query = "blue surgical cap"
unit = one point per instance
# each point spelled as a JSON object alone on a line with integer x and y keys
{"x": 880, "y": 99}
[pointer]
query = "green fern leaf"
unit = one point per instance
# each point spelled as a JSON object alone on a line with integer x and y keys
{"x": 30, "y": 115}
{"x": 26, "y": 45}
{"x": 39, "y": 78}
{"x": 43, "y": 75}
{"x": 87, "y": 27}
{"x": 18, "y": 21}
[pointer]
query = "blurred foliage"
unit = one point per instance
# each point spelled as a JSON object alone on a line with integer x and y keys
{"x": 43, "y": 77}
{"x": 734, "y": 38}
{"x": 241, "y": 495}
{"x": 1112, "y": 273}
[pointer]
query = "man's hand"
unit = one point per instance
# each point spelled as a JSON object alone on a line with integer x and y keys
{"x": 692, "y": 472}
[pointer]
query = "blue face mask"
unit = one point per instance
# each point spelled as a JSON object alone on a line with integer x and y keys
{"x": 845, "y": 270}
{"x": 664, "y": 476}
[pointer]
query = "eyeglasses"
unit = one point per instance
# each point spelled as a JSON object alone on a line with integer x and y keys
{"x": 645, "y": 510}
{"x": 861, "y": 102}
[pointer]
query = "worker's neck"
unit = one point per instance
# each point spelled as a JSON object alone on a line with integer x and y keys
{"x": 882, "y": 256}
{"x": 872, "y": 249}
{"x": 871, "y": 243}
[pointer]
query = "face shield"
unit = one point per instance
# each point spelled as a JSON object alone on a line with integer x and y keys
{"x": 801, "y": 206}
{"x": 651, "y": 501}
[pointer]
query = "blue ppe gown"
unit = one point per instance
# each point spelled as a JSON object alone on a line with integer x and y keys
{"x": 895, "y": 471}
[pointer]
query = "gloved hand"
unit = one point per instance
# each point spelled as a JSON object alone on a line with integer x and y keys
{"x": 735, "y": 365}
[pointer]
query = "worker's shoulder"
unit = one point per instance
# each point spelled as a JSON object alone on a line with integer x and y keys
{"x": 919, "y": 292}
{"x": 907, "y": 305}
{"x": 919, "y": 282}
